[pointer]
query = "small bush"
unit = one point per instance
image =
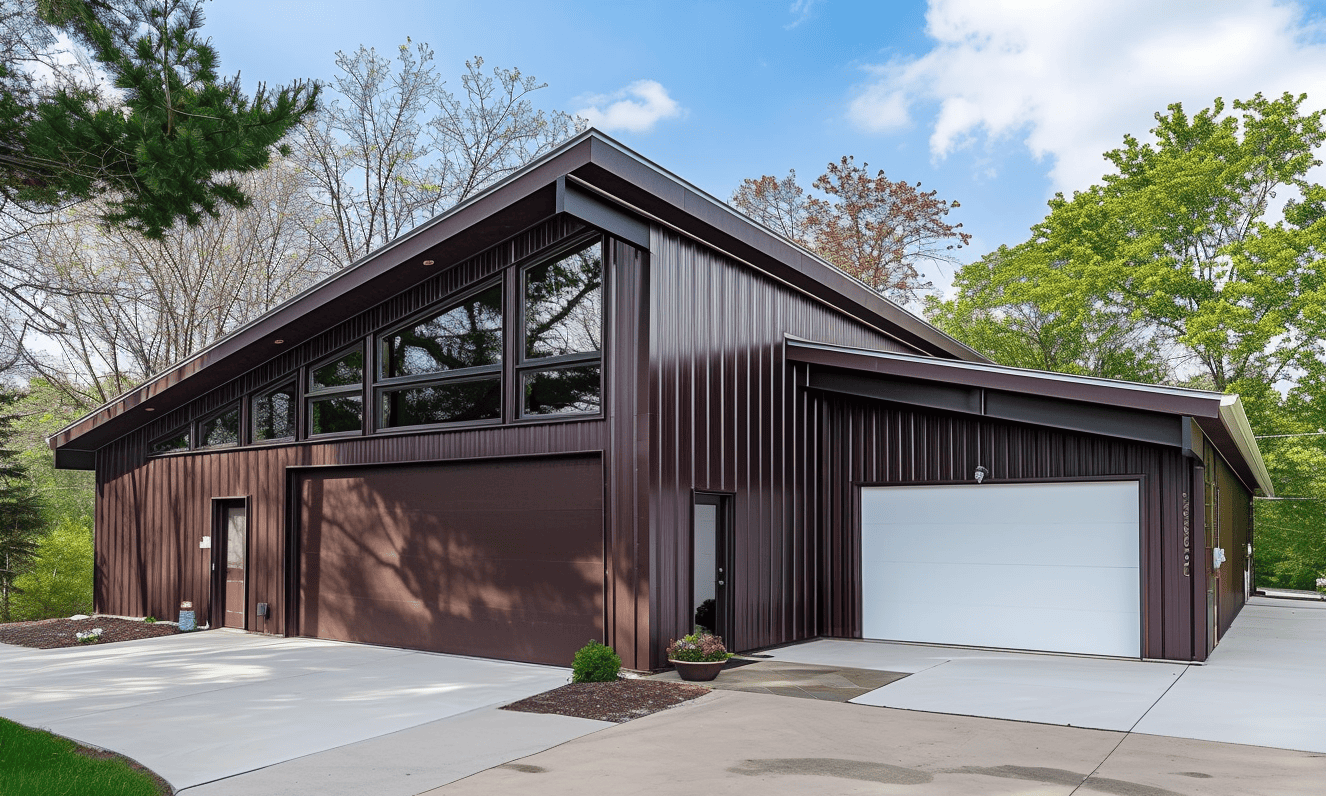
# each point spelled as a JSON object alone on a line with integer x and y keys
{"x": 151, "y": 620}
{"x": 595, "y": 663}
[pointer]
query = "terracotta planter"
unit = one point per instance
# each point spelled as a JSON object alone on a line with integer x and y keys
{"x": 698, "y": 671}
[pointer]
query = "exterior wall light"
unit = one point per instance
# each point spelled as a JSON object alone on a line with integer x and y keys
{"x": 980, "y": 474}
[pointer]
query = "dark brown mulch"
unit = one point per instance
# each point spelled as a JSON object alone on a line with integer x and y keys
{"x": 620, "y": 701}
{"x": 46, "y": 634}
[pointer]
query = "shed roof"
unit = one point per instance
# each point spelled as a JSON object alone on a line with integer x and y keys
{"x": 1108, "y": 406}
{"x": 589, "y": 165}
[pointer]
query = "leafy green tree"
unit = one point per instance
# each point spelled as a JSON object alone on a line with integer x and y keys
{"x": 58, "y": 580}
{"x": 1177, "y": 264}
{"x": 165, "y": 146}
{"x": 20, "y": 513}
{"x": 1176, "y": 248}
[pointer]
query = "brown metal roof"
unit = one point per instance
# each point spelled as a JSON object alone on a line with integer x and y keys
{"x": 1219, "y": 416}
{"x": 594, "y": 163}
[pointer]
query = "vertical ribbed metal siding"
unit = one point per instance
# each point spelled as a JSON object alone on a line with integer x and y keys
{"x": 725, "y": 419}
{"x": 152, "y": 512}
{"x": 864, "y": 441}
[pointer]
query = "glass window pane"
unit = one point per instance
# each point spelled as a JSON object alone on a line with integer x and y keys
{"x": 467, "y": 335}
{"x": 176, "y": 442}
{"x": 335, "y": 414}
{"x": 564, "y": 305}
{"x": 220, "y": 430}
{"x": 344, "y": 372}
{"x": 451, "y": 402}
{"x": 274, "y": 414}
{"x": 561, "y": 392}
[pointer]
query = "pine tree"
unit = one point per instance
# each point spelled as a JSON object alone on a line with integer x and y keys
{"x": 168, "y": 148}
{"x": 21, "y": 524}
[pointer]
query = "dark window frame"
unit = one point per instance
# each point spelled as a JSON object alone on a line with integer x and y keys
{"x": 382, "y": 384}
{"x": 287, "y": 380}
{"x": 307, "y": 394}
{"x": 185, "y": 429}
{"x": 524, "y": 365}
{"x": 237, "y": 406}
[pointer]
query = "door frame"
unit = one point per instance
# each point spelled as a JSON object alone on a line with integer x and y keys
{"x": 216, "y": 610}
{"x": 723, "y": 561}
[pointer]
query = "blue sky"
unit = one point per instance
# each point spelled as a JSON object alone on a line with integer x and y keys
{"x": 995, "y": 105}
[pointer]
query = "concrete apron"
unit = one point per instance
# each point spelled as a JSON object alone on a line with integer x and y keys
{"x": 745, "y": 743}
{"x": 1261, "y": 686}
{"x": 201, "y": 707}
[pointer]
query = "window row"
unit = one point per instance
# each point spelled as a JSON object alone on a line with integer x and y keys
{"x": 447, "y": 366}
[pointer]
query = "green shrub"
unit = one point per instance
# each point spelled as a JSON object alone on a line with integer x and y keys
{"x": 595, "y": 663}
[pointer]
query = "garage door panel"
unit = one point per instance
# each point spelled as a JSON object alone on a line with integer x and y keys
{"x": 1028, "y": 566}
{"x": 1040, "y": 628}
{"x": 1084, "y": 589}
{"x": 1045, "y": 544}
{"x": 496, "y": 559}
{"x": 1033, "y": 502}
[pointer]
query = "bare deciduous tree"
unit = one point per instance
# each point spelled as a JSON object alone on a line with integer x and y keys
{"x": 395, "y": 148}
{"x": 878, "y": 230}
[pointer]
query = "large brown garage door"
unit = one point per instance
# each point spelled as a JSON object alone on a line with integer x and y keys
{"x": 500, "y": 559}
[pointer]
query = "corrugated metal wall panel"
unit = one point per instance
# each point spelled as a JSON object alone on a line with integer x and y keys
{"x": 726, "y": 419}
{"x": 152, "y": 512}
{"x": 872, "y": 442}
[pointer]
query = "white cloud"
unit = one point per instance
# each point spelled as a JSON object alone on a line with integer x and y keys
{"x": 802, "y": 9}
{"x": 636, "y": 108}
{"x": 1071, "y": 79}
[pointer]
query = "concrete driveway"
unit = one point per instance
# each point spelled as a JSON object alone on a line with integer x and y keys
{"x": 1262, "y": 685}
{"x": 208, "y": 707}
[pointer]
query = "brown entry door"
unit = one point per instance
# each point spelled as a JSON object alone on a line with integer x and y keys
{"x": 497, "y": 559}
{"x": 232, "y": 557}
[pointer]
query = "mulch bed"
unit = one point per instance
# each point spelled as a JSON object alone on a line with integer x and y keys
{"x": 620, "y": 701}
{"x": 46, "y": 634}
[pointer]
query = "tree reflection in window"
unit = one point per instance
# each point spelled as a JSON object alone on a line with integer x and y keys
{"x": 344, "y": 372}
{"x": 222, "y": 429}
{"x": 445, "y": 402}
{"x": 179, "y": 441}
{"x": 564, "y": 305}
{"x": 273, "y": 414}
{"x": 467, "y": 335}
{"x": 336, "y": 414}
{"x": 562, "y": 391}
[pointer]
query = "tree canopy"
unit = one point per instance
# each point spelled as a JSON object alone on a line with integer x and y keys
{"x": 1198, "y": 261}
{"x": 878, "y": 230}
{"x": 161, "y": 143}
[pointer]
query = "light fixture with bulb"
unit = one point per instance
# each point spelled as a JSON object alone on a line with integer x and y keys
{"x": 980, "y": 474}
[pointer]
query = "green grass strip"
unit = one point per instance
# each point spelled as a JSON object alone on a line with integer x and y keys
{"x": 37, "y": 763}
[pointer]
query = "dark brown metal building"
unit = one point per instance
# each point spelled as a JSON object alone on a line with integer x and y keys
{"x": 595, "y": 402}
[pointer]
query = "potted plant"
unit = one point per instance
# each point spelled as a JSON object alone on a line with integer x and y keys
{"x": 699, "y": 656}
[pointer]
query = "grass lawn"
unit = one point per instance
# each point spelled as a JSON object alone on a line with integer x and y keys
{"x": 37, "y": 763}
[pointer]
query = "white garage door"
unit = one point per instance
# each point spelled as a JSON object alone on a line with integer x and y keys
{"x": 1021, "y": 566}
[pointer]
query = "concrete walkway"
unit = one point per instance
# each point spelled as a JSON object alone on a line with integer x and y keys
{"x": 205, "y": 707}
{"x": 1263, "y": 684}
{"x": 763, "y": 745}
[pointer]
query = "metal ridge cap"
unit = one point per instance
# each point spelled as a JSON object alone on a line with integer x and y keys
{"x": 1047, "y": 375}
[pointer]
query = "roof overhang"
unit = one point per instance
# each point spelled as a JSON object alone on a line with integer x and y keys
{"x": 590, "y": 177}
{"x": 1144, "y": 412}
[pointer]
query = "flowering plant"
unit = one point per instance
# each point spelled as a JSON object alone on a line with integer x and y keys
{"x": 1321, "y": 584}
{"x": 88, "y": 636}
{"x": 699, "y": 647}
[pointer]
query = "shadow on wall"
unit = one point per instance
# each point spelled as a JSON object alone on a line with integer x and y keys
{"x": 501, "y": 559}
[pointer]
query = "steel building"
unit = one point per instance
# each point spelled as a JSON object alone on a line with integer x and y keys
{"x": 595, "y": 402}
